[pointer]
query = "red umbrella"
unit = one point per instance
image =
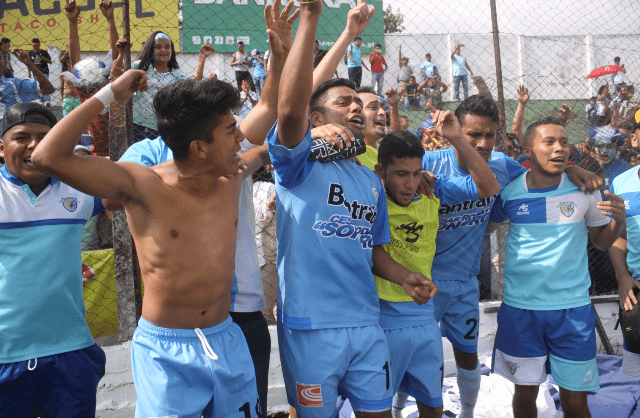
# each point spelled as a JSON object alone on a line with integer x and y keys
{"x": 607, "y": 69}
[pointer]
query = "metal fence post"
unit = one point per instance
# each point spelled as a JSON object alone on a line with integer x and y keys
{"x": 122, "y": 242}
{"x": 496, "y": 48}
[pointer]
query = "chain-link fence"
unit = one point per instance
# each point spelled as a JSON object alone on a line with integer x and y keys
{"x": 439, "y": 52}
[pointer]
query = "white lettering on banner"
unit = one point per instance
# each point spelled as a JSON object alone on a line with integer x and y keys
{"x": 332, "y": 4}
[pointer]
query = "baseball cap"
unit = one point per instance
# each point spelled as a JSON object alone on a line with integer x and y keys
{"x": 35, "y": 41}
{"x": 254, "y": 52}
{"x": 85, "y": 143}
{"x": 21, "y": 113}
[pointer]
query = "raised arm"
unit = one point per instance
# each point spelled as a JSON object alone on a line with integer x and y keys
{"x": 106, "y": 7}
{"x": 261, "y": 118}
{"x": 96, "y": 176}
{"x": 448, "y": 126}
{"x": 394, "y": 97}
{"x": 73, "y": 41}
{"x": 523, "y": 98}
{"x": 456, "y": 50}
{"x": 358, "y": 19}
{"x": 205, "y": 52}
{"x": 294, "y": 95}
{"x": 43, "y": 82}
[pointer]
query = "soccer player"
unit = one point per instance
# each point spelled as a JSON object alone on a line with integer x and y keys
{"x": 188, "y": 357}
{"x": 49, "y": 362}
{"x": 415, "y": 344}
{"x": 332, "y": 219}
{"x": 625, "y": 258}
{"x": 459, "y": 241}
{"x": 546, "y": 312}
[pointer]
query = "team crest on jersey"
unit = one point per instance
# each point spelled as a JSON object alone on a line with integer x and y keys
{"x": 309, "y": 395}
{"x": 70, "y": 203}
{"x": 567, "y": 208}
{"x": 512, "y": 367}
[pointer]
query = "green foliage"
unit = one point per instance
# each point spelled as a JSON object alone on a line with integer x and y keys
{"x": 392, "y": 21}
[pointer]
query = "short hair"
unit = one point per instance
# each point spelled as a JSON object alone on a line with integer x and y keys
{"x": 378, "y": 45}
{"x": 398, "y": 144}
{"x": 240, "y": 43}
{"x": 35, "y": 41}
{"x": 513, "y": 137}
{"x": 616, "y": 59}
{"x": 412, "y": 76}
{"x": 188, "y": 110}
{"x": 428, "y": 54}
{"x": 593, "y": 98}
{"x": 478, "y": 104}
{"x": 5, "y": 40}
{"x": 531, "y": 129}
{"x": 316, "y": 101}
{"x": 357, "y": 39}
{"x": 317, "y": 41}
{"x": 366, "y": 89}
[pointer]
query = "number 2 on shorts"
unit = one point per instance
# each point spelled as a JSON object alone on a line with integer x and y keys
{"x": 471, "y": 335}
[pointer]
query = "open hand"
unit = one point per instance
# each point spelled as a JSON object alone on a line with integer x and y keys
{"x": 419, "y": 287}
{"x": 394, "y": 96}
{"x": 128, "y": 83}
{"x": 332, "y": 133}
{"x": 523, "y": 94}
{"x": 358, "y": 18}
{"x": 279, "y": 26}
{"x": 73, "y": 11}
{"x": 613, "y": 208}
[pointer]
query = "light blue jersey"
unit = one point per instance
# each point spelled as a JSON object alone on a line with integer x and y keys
{"x": 546, "y": 265}
{"x": 462, "y": 225}
{"x": 627, "y": 186}
{"x": 247, "y": 294}
{"x": 459, "y": 67}
{"x": 258, "y": 69}
{"x": 41, "y": 305}
{"x": 357, "y": 57}
{"x": 430, "y": 69}
{"x": 329, "y": 217}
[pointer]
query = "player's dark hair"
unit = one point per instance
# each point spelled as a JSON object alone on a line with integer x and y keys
{"x": 317, "y": 99}
{"x": 531, "y": 129}
{"x": 480, "y": 105}
{"x": 146, "y": 55}
{"x": 357, "y": 39}
{"x": 188, "y": 110}
{"x": 601, "y": 89}
{"x": 378, "y": 46}
{"x": 365, "y": 89}
{"x": 398, "y": 144}
{"x": 616, "y": 59}
{"x": 4, "y": 40}
{"x": 240, "y": 43}
{"x": 593, "y": 98}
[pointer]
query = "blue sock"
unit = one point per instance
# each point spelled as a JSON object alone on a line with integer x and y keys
{"x": 469, "y": 384}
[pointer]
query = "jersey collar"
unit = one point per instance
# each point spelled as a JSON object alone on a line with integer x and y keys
{"x": 13, "y": 179}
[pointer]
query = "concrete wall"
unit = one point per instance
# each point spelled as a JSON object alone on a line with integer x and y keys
{"x": 116, "y": 393}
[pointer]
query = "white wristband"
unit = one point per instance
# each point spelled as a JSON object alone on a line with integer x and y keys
{"x": 105, "y": 95}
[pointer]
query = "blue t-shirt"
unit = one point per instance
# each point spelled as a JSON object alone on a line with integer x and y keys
{"x": 614, "y": 170}
{"x": 258, "y": 69}
{"x": 357, "y": 57}
{"x": 627, "y": 186}
{"x": 41, "y": 304}
{"x": 247, "y": 294}
{"x": 329, "y": 217}
{"x": 395, "y": 315}
{"x": 429, "y": 68}
{"x": 546, "y": 265}
{"x": 18, "y": 90}
{"x": 459, "y": 65}
{"x": 463, "y": 224}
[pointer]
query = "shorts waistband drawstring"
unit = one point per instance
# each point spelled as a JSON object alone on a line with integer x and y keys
{"x": 205, "y": 345}
{"x": 35, "y": 364}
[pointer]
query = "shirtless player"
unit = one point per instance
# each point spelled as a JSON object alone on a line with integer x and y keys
{"x": 186, "y": 351}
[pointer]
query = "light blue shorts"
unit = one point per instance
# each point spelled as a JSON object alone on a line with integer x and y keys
{"x": 175, "y": 375}
{"x": 320, "y": 365}
{"x": 529, "y": 342}
{"x": 456, "y": 308}
{"x": 416, "y": 362}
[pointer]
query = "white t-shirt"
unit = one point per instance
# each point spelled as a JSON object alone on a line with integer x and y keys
{"x": 246, "y": 106}
{"x": 267, "y": 55}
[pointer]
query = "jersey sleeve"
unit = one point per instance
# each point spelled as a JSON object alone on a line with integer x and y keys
{"x": 380, "y": 229}
{"x": 292, "y": 166}
{"x": 27, "y": 87}
{"x": 97, "y": 206}
{"x": 594, "y": 217}
{"x": 143, "y": 152}
{"x": 498, "y": 214}
{"x": 452, "y": 190}
{"x": 514, "y": 169}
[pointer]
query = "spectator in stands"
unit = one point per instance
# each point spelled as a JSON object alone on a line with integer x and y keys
{"x": 460, "y": 67}
{"x": 432, "y": 88}
{"x": 404, "y": 123}
{"x": 259, "y": 71}
{"x": 377, "y": 70}
{"x": 627, "y": 151}
{"x": 159, "y": 62}
{"x": 602, "y": 102}
{"x": 248, "y": 99}
{"x": 41, "y": 59}
{"x": 5, "y": 50}
{"x": 411, "y": 95}
{"x": 70, "y": 98}
{"x": 49, "y": 362}
{"x": 318, "y": 53}
{"x": 405, "y": 70}
{"x": 513, "y": 150}
{"x": 619, "y": 78}
{"x": 428, "y": 68}
{"x": 241, "y": 62}
{"x": 354, "y": 61}
{"x": 591, "y": 109}
{"x": 621, "y": 101}
{"x": 19, "y": 90}
{"x": 523, "y": 99}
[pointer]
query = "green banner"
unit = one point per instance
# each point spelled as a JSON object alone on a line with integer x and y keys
{"x": 225, "y": 22}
